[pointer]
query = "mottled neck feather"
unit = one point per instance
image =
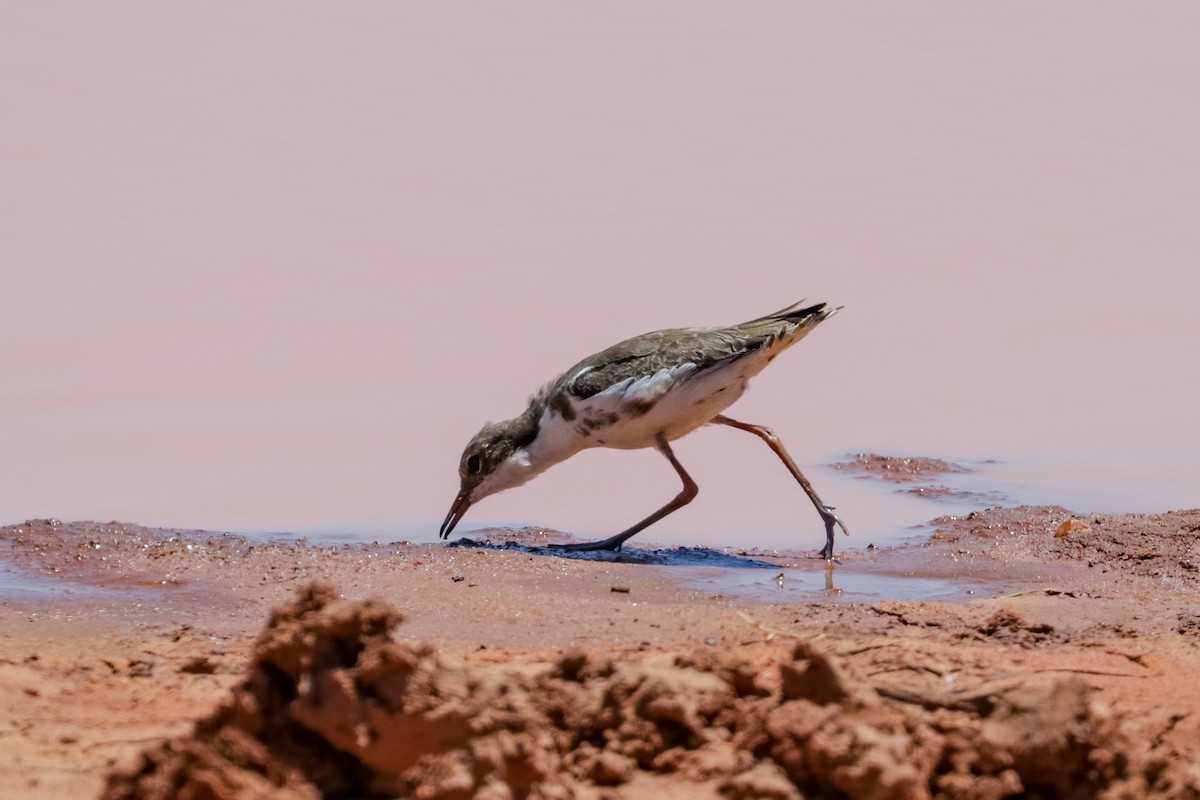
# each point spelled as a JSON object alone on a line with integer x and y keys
{"x": 525, "y": 427}
{"x": 554, "y": 441}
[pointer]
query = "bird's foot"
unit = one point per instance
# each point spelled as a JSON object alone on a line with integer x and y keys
{"x": 830, "y": 519}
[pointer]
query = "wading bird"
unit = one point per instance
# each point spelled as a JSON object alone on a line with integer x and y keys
{"x": 644, "y": 392}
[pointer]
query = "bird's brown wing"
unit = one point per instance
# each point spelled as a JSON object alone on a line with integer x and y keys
{"x": 649, "y": 353}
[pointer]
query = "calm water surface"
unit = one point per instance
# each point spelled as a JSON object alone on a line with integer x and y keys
{"x": 268, "y": 267}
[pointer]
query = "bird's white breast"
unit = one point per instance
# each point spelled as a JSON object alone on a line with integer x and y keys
{"x": 673, "y": 401}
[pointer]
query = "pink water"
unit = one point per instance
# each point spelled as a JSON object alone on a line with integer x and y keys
{"x": 268, "y": 266}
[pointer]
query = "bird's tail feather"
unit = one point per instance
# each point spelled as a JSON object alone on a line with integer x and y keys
{"x": 794, "y": 313}
{"x": 787, "y": 325}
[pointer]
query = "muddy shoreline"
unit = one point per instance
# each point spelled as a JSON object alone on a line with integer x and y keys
{"x": 118, "y": 638}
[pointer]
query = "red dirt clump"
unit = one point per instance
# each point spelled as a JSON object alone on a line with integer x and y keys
{"x": 333, "y": 707}
{"x": 900, "y": 469}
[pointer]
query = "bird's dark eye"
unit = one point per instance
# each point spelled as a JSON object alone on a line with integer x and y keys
{"x": 474, "y": 464}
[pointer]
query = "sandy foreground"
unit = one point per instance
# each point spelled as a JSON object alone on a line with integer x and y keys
{"x": 139, "y": 663}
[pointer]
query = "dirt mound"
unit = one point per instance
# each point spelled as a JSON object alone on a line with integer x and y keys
{"x": 332, "y": 707}
{"x": 1164, "y": 547}
{"x": 916, "y": 475}
{"x": 900, "y": 469}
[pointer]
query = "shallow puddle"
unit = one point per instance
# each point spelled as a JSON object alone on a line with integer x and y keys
{"x": 22, "y": 584}
{"x": 821, "y": 585}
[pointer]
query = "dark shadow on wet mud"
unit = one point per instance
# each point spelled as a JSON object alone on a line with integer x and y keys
{"x": 541, "y": 542}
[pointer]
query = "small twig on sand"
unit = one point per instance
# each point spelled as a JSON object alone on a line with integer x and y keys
{"x": 1094, "y": 672}
{"x": 774, "y": 634}
{"x": 977, "y": 699}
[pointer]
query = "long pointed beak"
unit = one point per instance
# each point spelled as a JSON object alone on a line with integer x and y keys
{"x": 461, "y": 504}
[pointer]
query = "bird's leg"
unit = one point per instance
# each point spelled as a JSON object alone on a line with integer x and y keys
{"x": 826, "y": 511}
{"x": 689, "y": 492}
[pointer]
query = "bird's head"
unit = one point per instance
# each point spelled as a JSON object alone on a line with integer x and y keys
{"x": 494, "y": 460}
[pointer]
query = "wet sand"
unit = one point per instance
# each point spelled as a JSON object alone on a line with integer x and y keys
{"x": 118, "y": 639}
